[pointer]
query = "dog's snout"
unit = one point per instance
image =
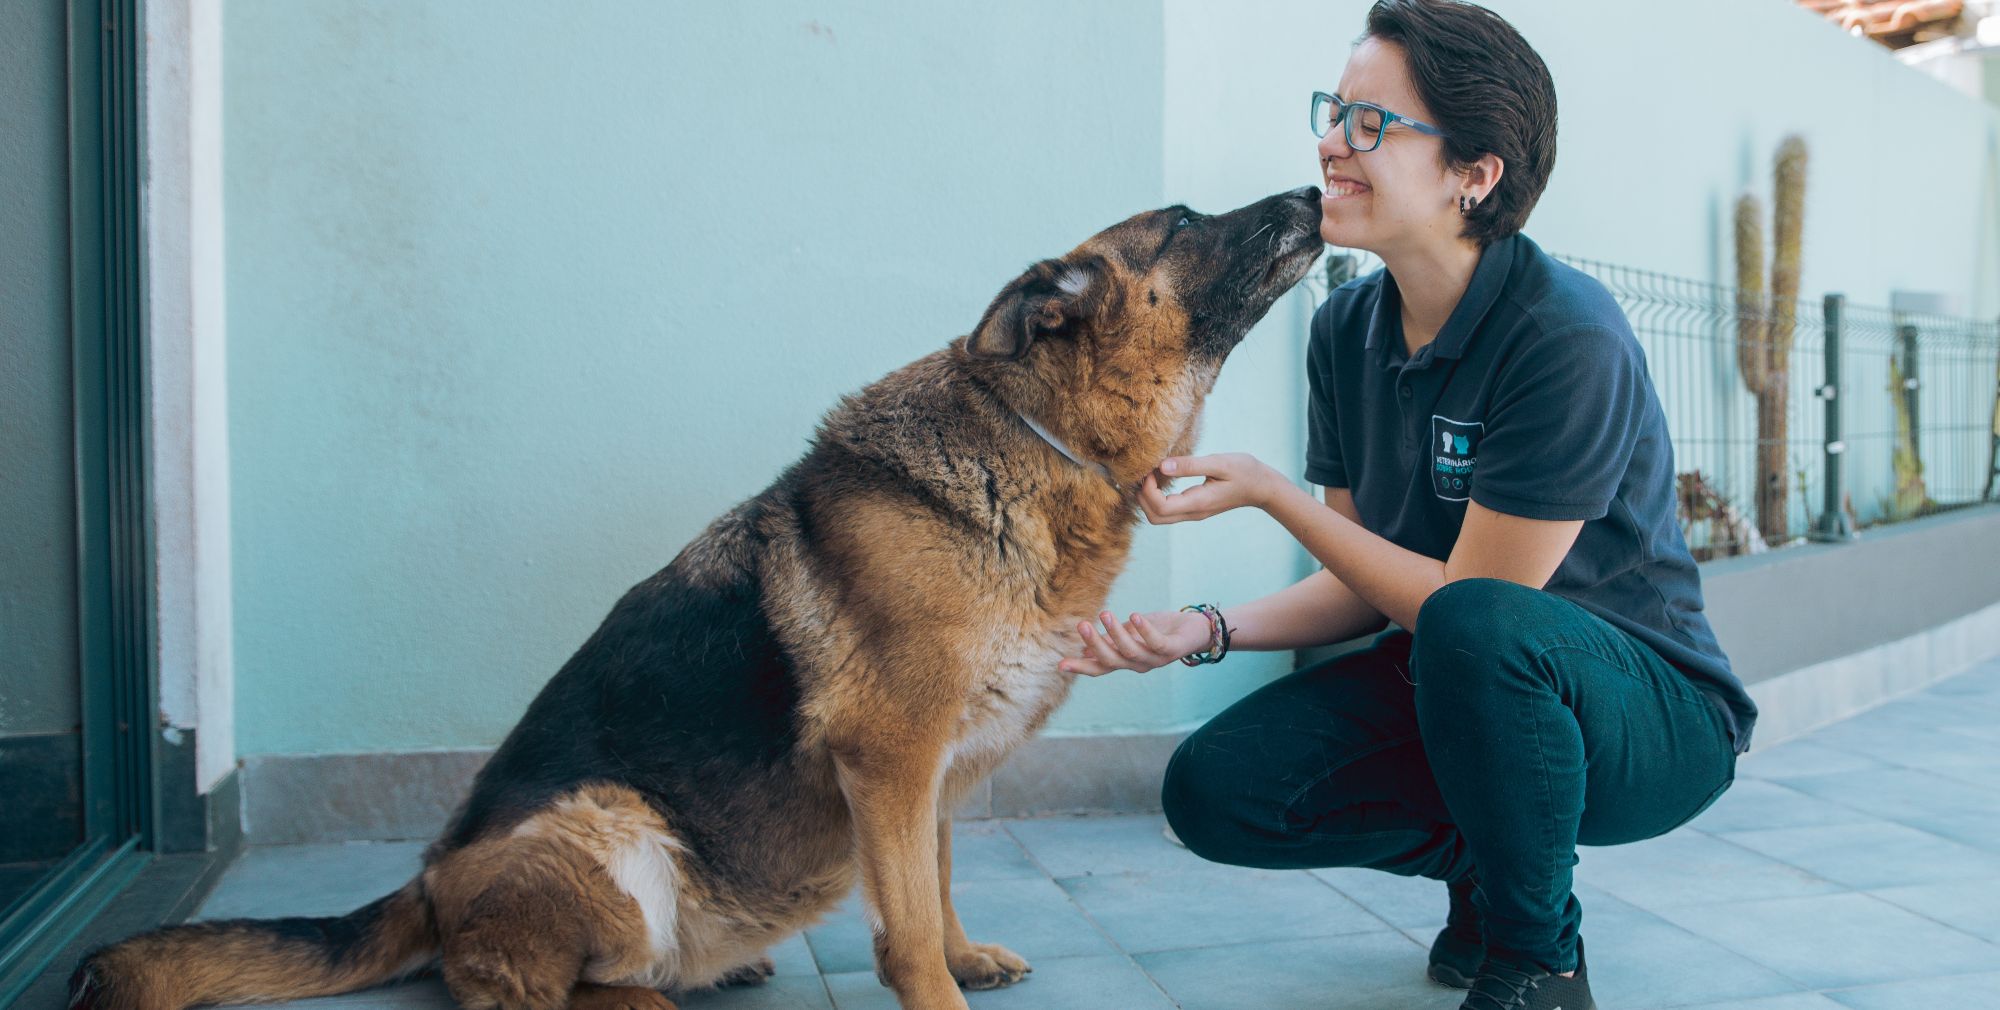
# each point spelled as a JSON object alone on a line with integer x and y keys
{"x": 1309, "y": 194}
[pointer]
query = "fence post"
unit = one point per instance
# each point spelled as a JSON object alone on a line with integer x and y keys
{"x": 1832, "y": 526}
{"x": 1906, "y": 334}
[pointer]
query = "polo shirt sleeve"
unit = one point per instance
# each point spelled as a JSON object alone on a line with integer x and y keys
{"x": 1563, "y": 421}
{"x": 1324, "y": 465}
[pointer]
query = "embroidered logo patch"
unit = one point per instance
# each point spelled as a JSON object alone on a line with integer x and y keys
{"x": 1454, "y": 444}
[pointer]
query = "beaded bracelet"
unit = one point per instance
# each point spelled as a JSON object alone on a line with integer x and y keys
{"x": 1218, "y": 635}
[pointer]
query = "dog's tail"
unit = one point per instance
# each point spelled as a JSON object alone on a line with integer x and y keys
{"x": 260, "y": 960}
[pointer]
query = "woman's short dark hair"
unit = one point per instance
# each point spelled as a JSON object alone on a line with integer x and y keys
{"x": 1488, "y": 90}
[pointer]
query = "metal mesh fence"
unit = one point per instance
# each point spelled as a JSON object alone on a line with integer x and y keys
{"x": 1932, "y": 380}
{"x": 1769, "y": 446}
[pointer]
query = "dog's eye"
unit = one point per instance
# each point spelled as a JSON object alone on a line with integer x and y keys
{"x": 1182, "y": 223}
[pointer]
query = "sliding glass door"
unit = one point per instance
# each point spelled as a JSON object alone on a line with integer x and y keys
{"x": 76, "y": 691}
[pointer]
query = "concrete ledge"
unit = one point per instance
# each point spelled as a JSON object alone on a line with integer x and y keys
{"x": 1829, "y": 691}
{"x": 1818, "y": 632}
{"x": 1792, "y": 608}
{"x": 354, "y": 797}
{"x": 290, "y": 799}
{"x": 1069, "y": 774}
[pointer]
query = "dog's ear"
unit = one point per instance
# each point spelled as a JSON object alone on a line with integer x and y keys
{"x": 1049, "y": 299}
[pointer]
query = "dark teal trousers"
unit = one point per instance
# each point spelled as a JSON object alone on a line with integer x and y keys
{"x": 1512, "y": 726}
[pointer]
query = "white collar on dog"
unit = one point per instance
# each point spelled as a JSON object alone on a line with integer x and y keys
{"x": 1057, "y": 444}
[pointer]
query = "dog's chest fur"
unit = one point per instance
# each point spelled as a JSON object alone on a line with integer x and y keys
{"x": 1061, "y": 571}
{"x": 1009, "y": 698}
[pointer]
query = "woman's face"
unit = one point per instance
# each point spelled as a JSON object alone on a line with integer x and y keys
{"x": 1398, "y": 195}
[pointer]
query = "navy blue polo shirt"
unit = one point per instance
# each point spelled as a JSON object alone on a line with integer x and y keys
{"x": 1534, "y": 400}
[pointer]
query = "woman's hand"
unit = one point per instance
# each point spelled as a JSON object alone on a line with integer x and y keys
{"x": 1146, "y": 642}
{"x": 1235, "y": 479}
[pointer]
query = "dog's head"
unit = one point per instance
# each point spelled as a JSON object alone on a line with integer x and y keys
{"x": 1116, "y": 343}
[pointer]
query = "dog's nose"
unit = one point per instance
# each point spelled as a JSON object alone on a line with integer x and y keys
{"x": 1310, "y": 194}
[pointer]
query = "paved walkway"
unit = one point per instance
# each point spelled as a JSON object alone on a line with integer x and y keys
{"x": 1857, "y": 867}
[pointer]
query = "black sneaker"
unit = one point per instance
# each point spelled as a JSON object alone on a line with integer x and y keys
{"x": 1461, "y": 945}
{"x": 1509, "y": 987}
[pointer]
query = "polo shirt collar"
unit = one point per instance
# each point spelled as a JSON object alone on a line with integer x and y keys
{"x": 1496, "y": 261}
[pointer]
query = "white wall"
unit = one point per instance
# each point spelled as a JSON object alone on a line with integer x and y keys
{"x": 181, "y": 200}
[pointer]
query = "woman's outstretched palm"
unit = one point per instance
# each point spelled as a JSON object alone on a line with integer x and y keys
{"x": 1143, "y": 642}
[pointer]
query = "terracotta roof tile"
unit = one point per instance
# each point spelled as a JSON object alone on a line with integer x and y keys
{"x": 1885, "y": 17}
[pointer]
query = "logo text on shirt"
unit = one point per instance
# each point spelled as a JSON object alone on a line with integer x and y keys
{"x": 1453, "y": 447}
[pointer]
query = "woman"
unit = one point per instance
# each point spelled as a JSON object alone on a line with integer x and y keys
{"x": 1498, "y": 480}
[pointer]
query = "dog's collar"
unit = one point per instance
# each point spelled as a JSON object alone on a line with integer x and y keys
{"x": 1057, "y": 444}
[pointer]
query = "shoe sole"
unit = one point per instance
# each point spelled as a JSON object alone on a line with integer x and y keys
{"x": 1444, "y": 974}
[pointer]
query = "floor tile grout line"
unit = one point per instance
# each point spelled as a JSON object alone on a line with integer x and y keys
{"x": 1133, "y": 957}
{"x": 1066, "y": 957}
{"x": 1800, "y": 793}
{"x": 1829, "y": 991}
{"x": 1878, "y": 817}
{"x": 1725, "y": 948}
{"x": 1707, "y": 1004}
{"x": 1839, "y": 887}
{"x": 1844, "y": 889}
{"x": 1028, "y": 851}
{"x": 1067, "y": 896}
{"x": 1711, "y": 941}
{"x": 1962, "y": 932}
{"x": 1943, "y": 780}
{"x": 1724, "y": 838}
{"x": 1266, "y": 942}
{"x": 1156, "y": 983}
{"x": 1772, "y": 968}
{"x": 1358, "y": 903}
{"x": 1386, "y": 925}
{"x": 1850, "y": 752}
{"x": 813, "y": 951}
{"x": 824, "y": 986}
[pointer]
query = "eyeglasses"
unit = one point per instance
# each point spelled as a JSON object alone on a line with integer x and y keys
{"x": 1364, "y": 122}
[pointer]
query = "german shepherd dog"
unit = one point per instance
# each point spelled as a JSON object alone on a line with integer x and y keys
{"x": 805, "y": 693}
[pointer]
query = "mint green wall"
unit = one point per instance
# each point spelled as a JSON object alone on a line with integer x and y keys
{"x": 521, "y": 295}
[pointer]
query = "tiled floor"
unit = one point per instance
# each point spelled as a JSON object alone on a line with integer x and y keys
{"x": 1858, "y": 867}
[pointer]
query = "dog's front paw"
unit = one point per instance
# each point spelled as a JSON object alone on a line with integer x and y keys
{"x": 986, "y": 966}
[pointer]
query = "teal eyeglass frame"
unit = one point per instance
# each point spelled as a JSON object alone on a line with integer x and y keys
{"x": 1344, "y": 115}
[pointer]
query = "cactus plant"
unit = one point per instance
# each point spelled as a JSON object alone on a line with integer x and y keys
{"x": 1764, "y": 330}
{"x": 1911, "y": 497}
